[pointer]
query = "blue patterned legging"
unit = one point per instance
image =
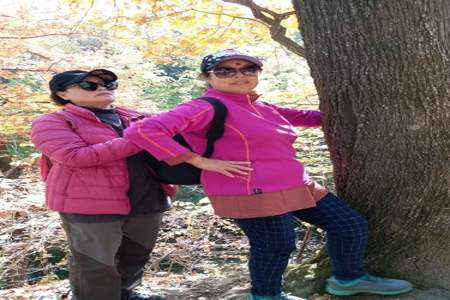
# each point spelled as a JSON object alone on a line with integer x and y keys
{"x": 272, "y": 239}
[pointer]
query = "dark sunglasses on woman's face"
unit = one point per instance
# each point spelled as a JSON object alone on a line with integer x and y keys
{"x": 93, "y": 86}
{"x": 227, "y": 72}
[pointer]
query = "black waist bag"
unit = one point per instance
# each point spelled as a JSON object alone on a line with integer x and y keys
{"x": 184, "y": 173}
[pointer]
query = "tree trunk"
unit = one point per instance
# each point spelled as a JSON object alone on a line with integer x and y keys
{"x": 381, "y": 69}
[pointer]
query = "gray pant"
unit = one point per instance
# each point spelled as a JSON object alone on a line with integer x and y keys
{"x": 108, "y": 258}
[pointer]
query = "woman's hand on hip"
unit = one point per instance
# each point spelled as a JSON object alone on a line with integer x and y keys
{"x": 225, "y": 167}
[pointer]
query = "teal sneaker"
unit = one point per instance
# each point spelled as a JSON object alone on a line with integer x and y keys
{"x": 281, "y": 296}
{"x": 368, "y": 284}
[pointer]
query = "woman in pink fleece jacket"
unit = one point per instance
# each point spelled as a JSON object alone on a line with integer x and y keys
{"x": 254, "y": 178}
{"x": 110, "y": 204}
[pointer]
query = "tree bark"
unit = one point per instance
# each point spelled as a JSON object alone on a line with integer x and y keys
{"x": 381, "y": 69}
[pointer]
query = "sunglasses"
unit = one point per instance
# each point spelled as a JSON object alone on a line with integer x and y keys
{"x": 93, "y": 86}
{"x": 227, "y": 72}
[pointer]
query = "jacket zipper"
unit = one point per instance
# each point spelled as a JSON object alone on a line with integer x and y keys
{"x": 254, "y": 108}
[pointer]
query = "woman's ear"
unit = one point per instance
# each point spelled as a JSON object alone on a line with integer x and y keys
{"x": 206, "y": 77}
{"x": 203, "y": 76}
{"x": 62, "y": 94}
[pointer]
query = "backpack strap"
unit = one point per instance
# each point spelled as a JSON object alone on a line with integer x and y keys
{"x": 217, "y": 127}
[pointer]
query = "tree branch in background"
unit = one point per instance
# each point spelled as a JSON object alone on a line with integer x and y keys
{"x": 15, "y": 70}
{"x": 36, "y": 36}
{"x": 38, "y": 55}
{"x": 228, "y": 15}
{"x": 75, "y": 28}
{"x": 50, "y": 68}
{"x": 272, "y": 20}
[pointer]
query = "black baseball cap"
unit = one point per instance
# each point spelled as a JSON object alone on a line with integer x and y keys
{"x": 61, "y": 80}
{"x": 212, "y": 60}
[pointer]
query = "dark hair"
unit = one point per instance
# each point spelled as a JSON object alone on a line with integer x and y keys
{"x": 57, "y": 99}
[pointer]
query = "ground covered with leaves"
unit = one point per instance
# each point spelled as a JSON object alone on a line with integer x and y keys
{"x": 198, "y": 255}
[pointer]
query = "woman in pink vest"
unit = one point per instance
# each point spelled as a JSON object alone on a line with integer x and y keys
{"x": 254, "y": 178}
{"x": 110, "y": 205}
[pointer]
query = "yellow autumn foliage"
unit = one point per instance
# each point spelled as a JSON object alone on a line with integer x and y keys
{"x": 134, "y": 38}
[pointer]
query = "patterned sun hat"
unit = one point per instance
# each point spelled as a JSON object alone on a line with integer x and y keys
{"x": 212, "y": 60}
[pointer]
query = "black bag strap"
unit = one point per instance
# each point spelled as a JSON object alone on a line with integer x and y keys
{"x": 217, "y": 127}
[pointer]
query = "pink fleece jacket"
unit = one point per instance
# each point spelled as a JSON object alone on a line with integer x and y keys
{"x": 254, "y": 131}
{"x": 89, "y": 173}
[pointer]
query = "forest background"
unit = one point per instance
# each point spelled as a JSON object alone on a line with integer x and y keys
{"x": 380, "y": 69}
{"x": 155, "y": 47}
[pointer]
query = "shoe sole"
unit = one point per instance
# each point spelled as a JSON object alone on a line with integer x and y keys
{"x": 350, "y": 293}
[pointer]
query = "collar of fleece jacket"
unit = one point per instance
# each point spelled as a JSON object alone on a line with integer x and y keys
{"x": 252, "y": 97}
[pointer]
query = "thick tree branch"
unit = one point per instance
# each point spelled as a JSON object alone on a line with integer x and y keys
{"x": 272, "y": 20}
